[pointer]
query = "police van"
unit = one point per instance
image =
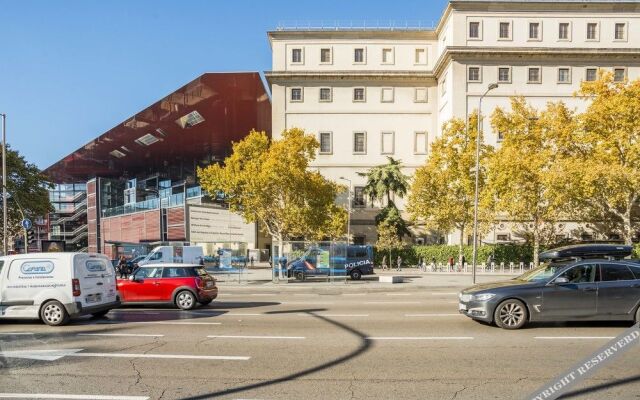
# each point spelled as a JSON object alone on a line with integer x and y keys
{"x": 55, "y": 287}
{"x": 338, "y": 260}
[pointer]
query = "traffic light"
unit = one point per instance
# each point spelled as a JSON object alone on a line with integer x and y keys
{"x": 31, "y": 236}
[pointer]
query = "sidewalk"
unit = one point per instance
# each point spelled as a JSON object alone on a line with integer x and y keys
{"x": 413, "y": 278}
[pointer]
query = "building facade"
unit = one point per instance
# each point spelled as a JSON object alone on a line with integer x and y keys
{"x": 371, "y": 93}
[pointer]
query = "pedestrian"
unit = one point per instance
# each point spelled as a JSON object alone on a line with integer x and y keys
{"x": 433, "y": 263}
{"x": 399, "y": 261}
{"x": 251, "y": 260}
{"x": 450, "y": 263}
{"x": 423, "y": 265}
{"x": 122, "y": 267}
{"x": 384, "y": 262}
{"x": 489, "y": 260}
{"x": 463, "y": 261}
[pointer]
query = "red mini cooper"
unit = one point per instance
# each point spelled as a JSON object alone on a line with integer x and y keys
{"x": 181, "y": 284}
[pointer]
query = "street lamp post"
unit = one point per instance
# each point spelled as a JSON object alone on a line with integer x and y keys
{"x": 477, "y": 177}
{"x": 4, "y": 184}
{"x": 348, "y": 211}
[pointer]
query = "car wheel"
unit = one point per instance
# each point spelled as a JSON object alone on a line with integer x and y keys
{"x": 185, "y": 300}
{"x": 511, "y": 314}
{"x": 206, "y": 303}
{"x": 53, "y": 313}
{"x": 638, "y": 315}
{"x": 299, "y": 276}
{"x": 100, "y": 314}
{"x": 355, "y": 275}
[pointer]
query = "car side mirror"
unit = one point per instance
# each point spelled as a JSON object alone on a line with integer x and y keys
{"x": 560, "y": 280}
{"x": 132, "y": 278}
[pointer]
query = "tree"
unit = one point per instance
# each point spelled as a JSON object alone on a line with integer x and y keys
{"x": 442, "y": 193}
{"x": 268, "y": 182}
{"x": 27, "y": 188}
{"x": 388, "y": 239}
{"x": 601, "y": 169}
{"x": 383, "y": 180}
{"x": 521, "y": 181}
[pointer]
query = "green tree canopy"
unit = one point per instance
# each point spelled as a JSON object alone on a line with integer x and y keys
{"x": 384, "y": 180}
{"x": 268, "y": 182}
{"x": 26, "y": 186}
{"x": 442, "y": 193}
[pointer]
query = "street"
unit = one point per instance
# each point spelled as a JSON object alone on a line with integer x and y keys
{"x": 304, "y": 341}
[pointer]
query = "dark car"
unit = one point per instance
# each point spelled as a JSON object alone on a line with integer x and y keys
{"x": 577, "y": 283}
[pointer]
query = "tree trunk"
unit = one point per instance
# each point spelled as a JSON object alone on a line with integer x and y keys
{"x": 536, "y": 246}
{"x": 280, "y": 254}
{"x": 627, "y": 230}
{"x": 461, "y": 245}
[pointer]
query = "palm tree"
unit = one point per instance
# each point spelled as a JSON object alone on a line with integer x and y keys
{"x": 385, "y": 179}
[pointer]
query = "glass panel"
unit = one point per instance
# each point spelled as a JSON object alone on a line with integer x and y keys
{"x": 614, "y": 272}
{"x": 581, "y": 274}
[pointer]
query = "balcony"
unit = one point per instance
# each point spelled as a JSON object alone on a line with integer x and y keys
{"x": 153, "y": 204}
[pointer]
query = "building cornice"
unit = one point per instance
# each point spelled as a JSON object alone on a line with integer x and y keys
{"x": 399, "y": 76}
{"x": 548, "y": 5}
{"x": 465, "y": 53}
{"x": 404, "y": 34}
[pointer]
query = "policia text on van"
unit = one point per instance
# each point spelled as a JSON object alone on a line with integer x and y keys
{"x": 55, "y": 287}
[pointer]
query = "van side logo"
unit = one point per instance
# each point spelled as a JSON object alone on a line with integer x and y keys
{"x": 36, "y": 267}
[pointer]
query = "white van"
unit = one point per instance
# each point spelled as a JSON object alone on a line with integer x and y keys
{"x": 173, "y": 254}
{"x": 55, "y": 287}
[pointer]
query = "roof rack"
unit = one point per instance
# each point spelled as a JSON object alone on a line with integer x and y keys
{"x": 588, "y": 251}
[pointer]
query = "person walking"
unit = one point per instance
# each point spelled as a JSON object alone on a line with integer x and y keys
{"x": 463, "y": 261}
{"x": 433, "y": 264}
{"x": 399, "y": 261}
{"x": 450, "y": 263}
{"x": 251, "y": 260}
{"x": 122, "y": 267}
{"x": 384, "y": 262}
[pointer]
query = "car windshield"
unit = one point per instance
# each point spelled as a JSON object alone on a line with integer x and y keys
{"x": 540, "y": 274}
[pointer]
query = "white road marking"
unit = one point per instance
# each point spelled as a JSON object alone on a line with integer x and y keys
{"x": 181, "y": 323}
{"x": 399, "y": 294}
{"x": 307, "y": 302}
{"x": 67, "y": 396}
{"x": 420, "y": 338}
{"x": 255, "y": 337}
{"x": 17, "y": 333}
{"x": 444, "y": 293}
{"x": 120, "y": 334}
{"x": 241, "y": 314}
{"x": 391, "y": 302}
{"x": 432, "y": 315}
{"x": 354, "y": 294}
{"x": 572, "y": 337}
{"x": 341, "y": 315}
{"x": 263, "y": 294}
{"x": 52, "y": 355}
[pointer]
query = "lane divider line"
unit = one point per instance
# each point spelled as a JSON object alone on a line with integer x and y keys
{"x": 67, "y": 396}
{"x": 433, "y": 315}
{"x": 420, "y": 338}
{"x": 572, "y": 337}
{"x": 121, "y": 334}
{"x": 255, "y": 337}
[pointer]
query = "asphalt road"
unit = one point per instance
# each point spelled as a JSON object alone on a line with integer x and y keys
{"x": 305, "y": 342}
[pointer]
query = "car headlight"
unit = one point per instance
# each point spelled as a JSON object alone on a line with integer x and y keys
{"x": 483, "y": 296}
{"x": 465, "y": 297}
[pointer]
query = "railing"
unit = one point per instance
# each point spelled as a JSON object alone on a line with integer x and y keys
{"x": 81, "y": 210}
{"x": 493, "y": 268}
{"x": 77, "y": 238}
{"x": 355, "y": 25}
{"x": 146, "y": 205}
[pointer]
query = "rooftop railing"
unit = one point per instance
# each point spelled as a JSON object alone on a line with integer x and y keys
{"x": 355, "y": 25}
{"x": 152, "y": 204}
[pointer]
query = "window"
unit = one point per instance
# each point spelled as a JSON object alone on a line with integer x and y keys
{"x": 420, "y": 56}
{"x": 175, "y": 272}
{"x": 358, "y": 197}
{"x": 443, "y": 85}
{"x": 150, "y": 272}
{"x": 619, "y": 74}
{"x": 564, "y": 75}
{"x": 387, "y": 56}
{"x": 359, "y": 240}
{"x": 534, "y": 75}
{"x": 358, "y": 56}
{"x": 504, "y": 74}
{"x": 296, "y": 94}
{"x": 616, "y": 272}
{"x": 620, "y": 31}
{"x": 358, "y": 94}
{"x": 387, "y": 145}
{"x": 634, "y": 269}
{"x": 325, "y": 95}
{"x": 326, "y": 143}
{"x": 420, "y": 143}
{"x": 359, "y": 143}
{"x": 473, "y": 74}
{"x": 592, "y": 31}
{"x": 587, "y": 273}
{"x": 534, "y": 30}
{"x": 420, "y": 95}
{"x": 296, "y": 56}
{"x": 500, "y": 136}
{"x": 505, "y": 30}
{"x": 503, "y": 237}
{"x": 591, "y": 74}
{"x": 386, "y": 95}
{"x": 325, "y": 56}
{"x": 474, "y": 30}
{"x": 563, "y": 31}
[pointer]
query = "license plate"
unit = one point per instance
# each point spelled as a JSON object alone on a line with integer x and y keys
{"x": 209, "y": 284}
{"x": 462, "y": 307}
{"x": 94, "y": 298}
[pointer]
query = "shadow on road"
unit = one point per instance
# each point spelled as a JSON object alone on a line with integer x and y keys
{"x": 602, "y": 386}
{"x": 363, "y": 347}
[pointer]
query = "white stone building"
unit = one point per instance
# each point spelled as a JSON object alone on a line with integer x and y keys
{"x": 369, "y": 93}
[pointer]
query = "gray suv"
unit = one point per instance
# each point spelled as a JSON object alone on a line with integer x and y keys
{"x": 576, "y": 283}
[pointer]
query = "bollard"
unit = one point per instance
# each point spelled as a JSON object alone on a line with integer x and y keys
{"x": 511, "y": 267}
{"x": 521, "y": 267}
{"x": 493, "y": 267}
{"x": 502, "y": 267}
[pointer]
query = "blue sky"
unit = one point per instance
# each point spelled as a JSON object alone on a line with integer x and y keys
{"x": 70, "y": 70}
